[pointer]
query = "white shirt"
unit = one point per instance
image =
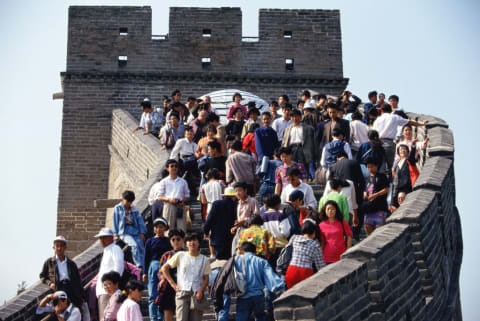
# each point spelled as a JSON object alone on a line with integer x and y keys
{"x": 62, "y": 269}
{"x": 358, "y": 133}
{"x": 387, "y": 124}
{"x": 213, "y": 192}
{"x": 183, "y": 147}
{"x": 129, "y": 311}
{"x": 349, "y": 193}
{"x": 155, "y": 119}
{"x": 154, "y": 193}
{"x": 308, "y": 197}
{"x": 296, "y": 134}
{"x": 279, "y": 126}
{"x": 112, "y": 260}
{"x": 74, "y": 312}
{"x": 190, "y": 270}
{"x": 346, "y": 148}
{"x": 173, "y": 188}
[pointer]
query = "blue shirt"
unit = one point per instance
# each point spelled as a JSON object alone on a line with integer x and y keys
{"x": 120, "y": 228}
{"x": 259, "y": 274}
{"x": 266, "y": 141}
{"x": 154, "y": 249}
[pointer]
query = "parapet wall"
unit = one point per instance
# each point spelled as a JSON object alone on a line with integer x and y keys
{"x": 407, "y": 270}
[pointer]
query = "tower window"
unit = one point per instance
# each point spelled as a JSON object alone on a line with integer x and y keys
{"x": 289, "y": 63}
{"x": 207, "y": 33}
{"x": 122, "y": 61}
{"x": 206, "y": 62}
{"x": 123, "y": 31}
{"x": 287, "y": 34}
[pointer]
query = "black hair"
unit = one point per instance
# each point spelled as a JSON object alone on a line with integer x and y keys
{"x": 296, "y": 196}
{"x": 308, "y": 227}
{"x": 372, "y": 93}
{"x": 129, "y": 196}
{"x": 240, "y": 185}
{"x": 341, "y": 154}
{"x": 265, "y": 197}
{"x": 267, "y": 113}
{"x": 322, "y": 96}
{"x": 191, "y": 98}
{"x": 175, "y": 92}
{"x": 293, "y": 171}
{"x": 306, "y": 93}
{"x": 237, "y": 145}
{"x": 248, "y": 247}
{"x": 273, "y": 200}
{"x": 338, "y": 213}
{"x": 408, "y": 126}
{"x": 372, "y": 160}
{"x": 285, "y": 150}
{"x": 193, "y": 236}
{"x": 332, "y": 105}
{"x": 188, "y": 128}
{"x": 337, "y": 131}
{"x": 210, "y": 127}
{"x": 171, "y": 161}
{"x": 111, "y": 276}
{"x": 236, "y": 94}
{"x": 357, "y": 116}
{"x": 373, "y": 112}
{"x": 402, "y": 145}
{"x": 287, "y": 106}
{"x": 300, "y": 102}
{"x": 276, "y": 152}
{"x": 132, "y": 285}
{"x": 296, "y": 112}
{"x": 387, "y": 108}
{"x": 215, "y": 145}
{"x": 175, "y": 232}
{"x": 177, "y": 104}
{"x": 174, "y": 114}
{"x": 230, "y": 138}
{"x": 374, "y": 138}
{"x": 274, "y": 103}
{"x": 213, "y": 117}
{"x": 285, "y": 97}
{"x": 335, "y": 183}
{"x": 256, "y": 220}
{"x": 253, "y": 110}
{"x": 213, "y": 173}
{"x": 146, "y": 104}
{"x": 394, "y": 97}
{"x": 237, "y": 109}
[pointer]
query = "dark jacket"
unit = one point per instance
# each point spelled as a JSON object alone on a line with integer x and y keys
{"x": 327, "y": 131}
{"x": 292, "y": 216}
{"x": 50, "y": 274}
{"x": 220, "y": 220}
{"x": 402, "y": 181}
{"x": 349, "y": 169}
{"x": 224, "y": 283}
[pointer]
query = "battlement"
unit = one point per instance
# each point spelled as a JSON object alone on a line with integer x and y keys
{"x": 119, "y": 39}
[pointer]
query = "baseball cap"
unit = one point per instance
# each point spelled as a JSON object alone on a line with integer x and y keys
{"x": 60, "y": 238}
{"x": 61, "y": 295}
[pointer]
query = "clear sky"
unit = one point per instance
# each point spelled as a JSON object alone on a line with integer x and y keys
{"x": 427, "y": 52}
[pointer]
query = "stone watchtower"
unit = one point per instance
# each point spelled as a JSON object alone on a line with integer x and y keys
{"x": 114, "y": 61}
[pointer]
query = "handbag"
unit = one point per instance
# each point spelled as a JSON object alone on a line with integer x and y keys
{"x": 194, "y": 303}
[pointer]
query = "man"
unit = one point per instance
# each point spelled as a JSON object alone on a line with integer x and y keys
{"x": 173, "y": 191}
{"x": 214, "y": 159}
{"x": 321, "y": 106}
{"x": 240, "y": 167}
{"x": 280, "y": 124}
{"x": 273, "y": 109}
{"x": 176, "y": 95}
{"x": 332, "y": 149}
{"x": 358, "y": 131}
{"x": 59, "y": 304}
{"x": 307, "y": 98}
{"x": 291, "y": 209}
{"x": 296, "y": 184}
{"x": 220, "y": 220}
{"x": 253, "y": 118}
{"x": 372, "y": 104}
{"x": 112, "y": 260}
{"x": 171, "y": 132}
{"x": 61, "y": 273}
{"x": 258, "y": 275}
{"x": 266, "y": 139}
{"x": 198, "y": 124}
{"x": 301, "y": 139}
{"x": 346, "y": 104}
{"x": 333, "y": 123}
{"x": 310, "y": 116}
{"x": 151, "y": 120}
{"x": 221, "y": 135}
{"x": 247, "y": 206}
{"x": 386, "y": 125}
{"x": 180, "y": 109}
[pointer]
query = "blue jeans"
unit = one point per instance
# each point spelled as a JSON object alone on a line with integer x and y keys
{"x": 138, "y": 248}
{"x": 255, "y": 304}
{"x": 153, "y": 311}
{"x": 223, "y": 313}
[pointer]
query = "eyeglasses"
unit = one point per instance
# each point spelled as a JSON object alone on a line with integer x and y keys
{"x": 176, "y": 239}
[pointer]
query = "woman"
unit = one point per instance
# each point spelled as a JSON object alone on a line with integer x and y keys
{"x": 235, "y": 126}
{"x": 202, "y": 148}
{"x": 281, "y": 178}
{"x": 407, "y": 139}
{"x": 306, "y": 253}
{"x": 372, "y": 148}
{"x": 166, "y": 294}
{"x": 110, "y": 282}
{"x": 248, "y": 143}
{"x": 130, "y": 310}
{"x": 404, "y": 172}
{"x": 237, "y": 98}
{"x": 335, "y": 233}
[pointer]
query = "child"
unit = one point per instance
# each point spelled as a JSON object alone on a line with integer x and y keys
{"x": 154, "y": 249}
{"x": 281, "y": 178}
{"x": 276, "y": 221}
{"x": 130, "y": 310}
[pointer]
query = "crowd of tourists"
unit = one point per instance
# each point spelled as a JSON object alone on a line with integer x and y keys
{"x": 364, "y": 156}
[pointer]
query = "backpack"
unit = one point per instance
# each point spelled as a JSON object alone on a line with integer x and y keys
{"x": 284, "y": 259}
{"x": 169, "y": 139}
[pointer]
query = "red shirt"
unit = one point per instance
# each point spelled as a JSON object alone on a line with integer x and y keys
{"x": 333, "y": 237}
{"x": 249, "y": 141}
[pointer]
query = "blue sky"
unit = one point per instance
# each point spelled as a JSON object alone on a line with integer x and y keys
{"x": 424, "y": 51}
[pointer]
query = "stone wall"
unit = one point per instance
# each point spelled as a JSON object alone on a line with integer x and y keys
{"x": 407, "y": 270}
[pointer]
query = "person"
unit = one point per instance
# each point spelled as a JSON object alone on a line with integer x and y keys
{"x": 219, "y": 222}
{"x": 280, "y": 124}
{"x": 229, "y": 139}
{"x": 268, "y": 169}
{"x": 59, "y": 304}
{"x": 166, "y": 294}
{"x": 235, "y": 125}
{"x": 334, "y": 194}
{"x": 408, "y": 139}
{"x": 347, "y": 189}
{"x": 240, "y": 167}
{"x": 253, "y": 118}
{"x": 197, "y": 125}
{"x": 248, "y": 143}
{"x": 130, "y": 310}
{"x": 173, "y": 191}
{"x": 155, "y": 247}
{"x": 266, "y": 140}
{"x": 112, "y": 260}
{"x": 258, "y": 276}
{"x": 320, "y": 107}
{"x": 292, "y": 210}
{"x": 372, "y": 104}
{"x": 396, "y": 203}
{"x": 193, "y": 269}
{"x": 171, "y": 132}
{"x": 213, "y": 189}
{"x": 276, "y": 222}
{"x": 211, "y": 132}
{"x": 404, "y": 172}
{"x": 273, "y": 107}
{"x": 214, "y": 159}
{"x": 332, "y": 123}
{"x": 333, "y": 149}
{"x": 221, "y": 135}
{"x": 260, "y": 237}
{"x": 301, "y": 139}
{"x": 110, "y": 283}
{"x": 372, "y": 148}
{"x": 60, "y": 273}
{"x": 346, "y": 104}
{"x": 247, "y": 206}
{"x": 306, "y": 255}
{"x": 151, "y": 120}
{"x": 184, "y": 148}
{"x": 128, "y": 225}
{"x": 176, "y": 95}
{"x": 237, "y": 98}
{"x": 180, "y": 109}
{"x": 386, "y": 125}
{"x": 358, "y": 132}
{"x": 281, "y": 178}
{"x": 307, "y": 98}
{"x": 283, "y": 100}
{"x": 335, "y": 233}
{"x": 296, "y": 184}
{"x": 381, "y": 101}
{"x": 374, "y": 207}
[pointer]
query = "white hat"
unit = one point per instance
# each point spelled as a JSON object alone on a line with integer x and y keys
{"x": 60, "y": 238}
{"x": 229, "y": 191}
{"x": 104, "y": 232}
{"x": 308, "y": 105}
{"x": 61, "y": 295}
